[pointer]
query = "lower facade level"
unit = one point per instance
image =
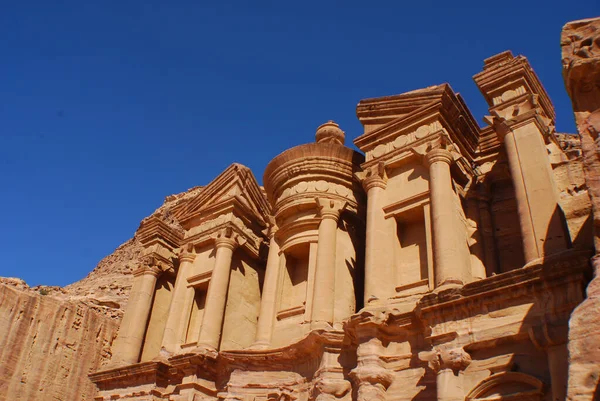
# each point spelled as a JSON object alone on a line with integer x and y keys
{"x": 500, "y": 338}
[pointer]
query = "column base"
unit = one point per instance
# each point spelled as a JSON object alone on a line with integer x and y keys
{"x": 448, "y": 284}
{"x": 320, "y": 325}
{"x": 206, "y": 350}
{"x": 163, "y": 355}
{"x": 260, "y": 345}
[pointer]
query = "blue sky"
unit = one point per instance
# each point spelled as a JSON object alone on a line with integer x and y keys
{"x": 106, "y": 107}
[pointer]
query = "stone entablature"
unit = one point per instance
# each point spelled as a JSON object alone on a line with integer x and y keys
{"x": 436, "y": 267}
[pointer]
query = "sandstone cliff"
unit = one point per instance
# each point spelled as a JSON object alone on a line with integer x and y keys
{"x": 580, "y": 42}
{"x": 51, "y": 338}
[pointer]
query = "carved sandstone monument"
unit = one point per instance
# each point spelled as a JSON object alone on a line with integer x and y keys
{"x": 441, "y": 261}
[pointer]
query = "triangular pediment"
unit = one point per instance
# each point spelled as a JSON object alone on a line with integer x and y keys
{"x": 236, "y": 184}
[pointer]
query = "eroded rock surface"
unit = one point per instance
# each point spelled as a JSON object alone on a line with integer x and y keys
{"x": 53, "y": 337}
{"x": 580, "y": 43}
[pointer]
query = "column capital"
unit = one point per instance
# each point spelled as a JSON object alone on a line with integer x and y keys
{"x": 148, "y": 267}
{"x": 374, "y": 177}
{"x": 330, "y": 208}
{"x": 372, "y": 374}
{"x": 456, "y": 359}
{"x": 227, "y": 239}
{"x": 438, "y": 155}
{"x": 187, "y": 253}
{"x": 272, "y": 228}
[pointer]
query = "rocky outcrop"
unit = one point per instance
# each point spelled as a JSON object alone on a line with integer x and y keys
{"x": 52, "y": 337}
{"x": 574, "y": 200}
{"x": 581, "y": 70}
{"x": 49, "y": 345}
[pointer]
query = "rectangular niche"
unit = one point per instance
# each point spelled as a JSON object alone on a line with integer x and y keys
{"x": 294, "y": 281}
{"x": 412, "y": 250}
{"x": 196, "y": 315}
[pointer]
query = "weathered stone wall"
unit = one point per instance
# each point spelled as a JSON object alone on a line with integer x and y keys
{"x": 49, "y": 345}
{"x": 580, "y": 43}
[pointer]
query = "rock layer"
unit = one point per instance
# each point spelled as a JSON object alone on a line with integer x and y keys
{"x": 580, "y": 43}
{"x": 51, "y": 337}
{"x": 48, "y": 346}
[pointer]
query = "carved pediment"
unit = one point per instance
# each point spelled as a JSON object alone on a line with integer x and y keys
{"x": 236, "y": 185}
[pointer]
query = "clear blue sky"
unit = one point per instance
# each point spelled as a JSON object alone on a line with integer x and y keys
{"x": 106, "y": 107}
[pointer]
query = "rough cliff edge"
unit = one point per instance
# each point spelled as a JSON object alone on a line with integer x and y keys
{"x": 52, "y": 337}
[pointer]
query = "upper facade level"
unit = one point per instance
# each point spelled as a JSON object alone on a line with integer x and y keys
{"x": 433, "y": 202}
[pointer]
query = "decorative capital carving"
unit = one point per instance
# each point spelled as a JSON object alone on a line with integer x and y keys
{"x": 372, "y": 374}
{"x": 226, "y": 238}
{"x": 330, "y": 208}
{"x": 150, "y": 265}
{"x": 375, "y": 177}
{"x": 438, "y": 155}
{"x": 187, "y": 253}
{"x": 272, "y": 228}
{"x": 456, "y": 359}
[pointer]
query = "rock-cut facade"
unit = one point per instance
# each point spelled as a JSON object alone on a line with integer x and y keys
{"x": 442, "y": 261}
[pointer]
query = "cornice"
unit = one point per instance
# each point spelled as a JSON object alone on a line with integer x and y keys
{"x": 540, "y": 275}
{"x": 505, "y": 76}
{"x": 209, "y": 230}
{"x": 150, "y": 370}
{"x": 154, "y": 229}
{"x": 381, "y": 110}
{"x": 446, "y": 111}
{"x": 314, "y": 161}
{"x": 287, "y": 357}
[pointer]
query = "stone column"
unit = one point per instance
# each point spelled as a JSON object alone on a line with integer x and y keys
{"x": 128, "y": 346}
{"x": 375, "y": 250}
{"x": 530, "y": 244}
{"x": 216, "y": 296}
{"x": 448, "y": 251}
{"x": 266, "y": 317}
{"x": 181, "y": 302}
{"x": 324, "y": 290}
